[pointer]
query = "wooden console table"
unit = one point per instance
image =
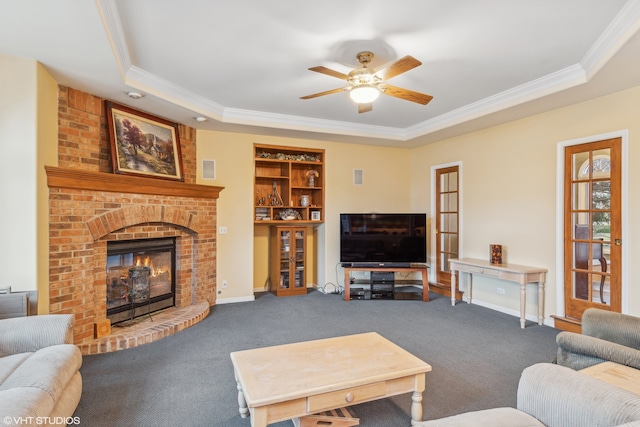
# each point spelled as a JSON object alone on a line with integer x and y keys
{"x": 521, "y": 274}
{"x": 423, "y": 270}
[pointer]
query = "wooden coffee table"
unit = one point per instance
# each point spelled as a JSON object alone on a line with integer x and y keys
{"x": 293, "y": 380}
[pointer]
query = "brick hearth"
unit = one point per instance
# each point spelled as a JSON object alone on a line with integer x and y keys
{"x": 89, "y": 205}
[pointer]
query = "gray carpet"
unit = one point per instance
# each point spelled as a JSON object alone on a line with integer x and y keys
{"x": 477, "y": 355}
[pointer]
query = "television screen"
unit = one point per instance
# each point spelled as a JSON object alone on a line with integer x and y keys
{"x": 383, "y": 239}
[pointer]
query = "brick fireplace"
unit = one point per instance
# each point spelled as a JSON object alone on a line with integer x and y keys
{"x": 90, "y": 206}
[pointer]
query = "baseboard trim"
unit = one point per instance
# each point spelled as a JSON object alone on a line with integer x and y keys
{"x": 235, "y": 299}
{"x": 516, "y": 313}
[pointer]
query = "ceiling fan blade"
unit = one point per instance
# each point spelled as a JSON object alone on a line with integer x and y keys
{"x": 400, "y": 66}
{"x": 405, "y": 94}
{"x": 329, "y": 72}
{"x": 365, "y": 108}
{"x": 328, "y": 92}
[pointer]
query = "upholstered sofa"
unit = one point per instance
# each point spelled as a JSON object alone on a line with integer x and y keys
{"x": 606, "y": 336}
{"x": 40, "y": 381}
{"x": 556, "y": 396}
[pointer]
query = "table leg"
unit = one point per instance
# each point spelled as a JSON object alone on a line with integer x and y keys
{"x": 259, "y": 417}
{"x": 470, "y": 287}
{"x": 523, "y": 304}
{"x": 541, "y": 301}
{"x": 416, "y": 408}
{"x": 425, "y": 286}
{"x": 347, "y": 283}
{"x": 242, "y": 402}
{"x": 453, "y": 287}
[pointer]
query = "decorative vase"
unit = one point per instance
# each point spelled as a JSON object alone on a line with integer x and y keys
{"x": 312, "y": 181}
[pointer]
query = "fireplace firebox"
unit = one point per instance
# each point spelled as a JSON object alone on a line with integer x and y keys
{"x": 140, "y": 277}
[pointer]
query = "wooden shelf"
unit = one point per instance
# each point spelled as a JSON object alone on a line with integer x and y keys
{"x": 281, "y": 179}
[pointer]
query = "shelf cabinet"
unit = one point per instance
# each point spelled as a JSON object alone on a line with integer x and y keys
{"x": 287, "y": 270}
{"x": 288, "y": 184}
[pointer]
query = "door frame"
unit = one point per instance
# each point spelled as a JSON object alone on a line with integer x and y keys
{"x": 433, "y": 234}
{"x": 624, "y": 137}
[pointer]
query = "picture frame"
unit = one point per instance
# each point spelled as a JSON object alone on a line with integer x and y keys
{"x": 143, "y": 144}
{"x": 315, "y": 215}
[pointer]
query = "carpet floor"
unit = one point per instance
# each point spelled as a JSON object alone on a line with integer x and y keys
{"x": 186, "y": 379}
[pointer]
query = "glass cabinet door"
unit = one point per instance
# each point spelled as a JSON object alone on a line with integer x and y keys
{"x": 299, "y": 259}
{"x": 285, "y": 258}
{"x": 287, "y": 261}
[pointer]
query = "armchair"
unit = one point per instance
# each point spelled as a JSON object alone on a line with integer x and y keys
{"x": 555, "y": 396}
{"x": 606, "y": 336}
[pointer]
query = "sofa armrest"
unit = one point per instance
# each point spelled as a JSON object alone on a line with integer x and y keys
{"x": 578, "y": 351}
{"x": 611, "y": 326}
{"x": 561, "y": 397}
{"x": 31, "y": 333}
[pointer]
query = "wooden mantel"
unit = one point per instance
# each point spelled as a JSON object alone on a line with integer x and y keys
{"x": 114, "y": 183}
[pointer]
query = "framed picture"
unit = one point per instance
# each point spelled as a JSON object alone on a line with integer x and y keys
{"x": 315, "y": 215}
{"x": 142, "y": 144}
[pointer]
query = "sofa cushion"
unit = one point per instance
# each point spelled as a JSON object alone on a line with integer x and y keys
{"x": 9, "y": 364}
{"x": 48, "y": 369}
{"x": 496, "y": 417}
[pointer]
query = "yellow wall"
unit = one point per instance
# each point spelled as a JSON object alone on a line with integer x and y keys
{"x": 508, "y": 195}
{"x": 47, "y": 154}
{"x": 509, "y": 189}
{"x": 385, "y": 189}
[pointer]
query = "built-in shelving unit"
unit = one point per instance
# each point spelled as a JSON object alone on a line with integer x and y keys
{"x": 289, "y": 185}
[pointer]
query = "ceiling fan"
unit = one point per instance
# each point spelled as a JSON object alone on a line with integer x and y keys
{"x": 366, "y": 84}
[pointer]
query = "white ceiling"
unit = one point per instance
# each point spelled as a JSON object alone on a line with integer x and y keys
{"x": 243, "y": 64}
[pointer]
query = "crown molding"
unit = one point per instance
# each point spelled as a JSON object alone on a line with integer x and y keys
{"x": 623, "y": 26}
{"x": 618, "y": 32}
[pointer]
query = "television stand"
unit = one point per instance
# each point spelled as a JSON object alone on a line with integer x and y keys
{"x": 422, "y": 270}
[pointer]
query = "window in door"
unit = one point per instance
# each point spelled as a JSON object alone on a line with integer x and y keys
{"x": 447, "y": 221}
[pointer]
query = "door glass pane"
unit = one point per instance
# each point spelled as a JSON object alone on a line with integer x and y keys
{"x": 444, "y": 223}
{"x": 580, "y": 196}
{"x": 601, "y": 195}
{"x": 581, "y": 285}
{"x": 453, "y": 202}
{"x": 580, "y": 219}
{"x": 580, "y": 166}
{"x": 601, "y": 164}
{"x": 444, "y": 182}
{"x": 453, "y": 223}
{"x": 444, "y": 242}
{"x": 453, "y": 181}
{"x": 444, "y": 203}
{"x": 453, "y": 243}
{"x": 445, "y": 262}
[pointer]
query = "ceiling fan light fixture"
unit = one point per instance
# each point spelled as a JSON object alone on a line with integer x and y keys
{"x": 364, "y": 94}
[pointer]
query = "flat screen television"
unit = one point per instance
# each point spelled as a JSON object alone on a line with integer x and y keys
{"x": 383, "y": 239}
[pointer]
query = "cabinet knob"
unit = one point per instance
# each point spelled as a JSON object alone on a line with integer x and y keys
{"x": 349, "y": 397}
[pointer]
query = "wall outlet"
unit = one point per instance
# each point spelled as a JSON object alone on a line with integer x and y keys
{"x": 222, "y": 229}
{"x": 225, "y": 284}
{"x": 500, "y": 291}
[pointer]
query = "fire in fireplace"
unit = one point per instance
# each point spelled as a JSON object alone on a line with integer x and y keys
{"x": 140, "y": 277}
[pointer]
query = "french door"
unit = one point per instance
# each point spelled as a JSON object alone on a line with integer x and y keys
{"x": 447, "y": 221}
{"x": 593, "y": 227}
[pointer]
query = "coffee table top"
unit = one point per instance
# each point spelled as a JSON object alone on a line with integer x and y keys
{"x": 284, "y": 372}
